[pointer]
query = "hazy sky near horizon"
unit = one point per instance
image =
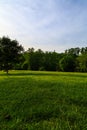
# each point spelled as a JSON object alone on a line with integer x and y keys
{"x": 46, "y": 24}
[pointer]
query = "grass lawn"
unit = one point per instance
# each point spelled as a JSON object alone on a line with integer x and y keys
{"x": 32, "y": 100}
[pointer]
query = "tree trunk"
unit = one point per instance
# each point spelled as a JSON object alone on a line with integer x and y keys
{"x": 7, "y": 72}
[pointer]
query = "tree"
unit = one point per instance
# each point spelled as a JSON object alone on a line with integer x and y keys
{"x": 67, "y": 63}
{"x": 73, "y": 51}
{"x": 50, "y": 61}
{"x": 82, "y": 63}
{"x": 38, "y": 59}
{"x": 30, "y": 52}
{"x": 83, "y": 50}
{"x": 25, "y": 63}
{"x": 10, "y": 51}
{"x": 35, "y": 59}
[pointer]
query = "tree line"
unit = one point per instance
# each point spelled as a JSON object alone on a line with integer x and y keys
{"x": 13, "y": 56}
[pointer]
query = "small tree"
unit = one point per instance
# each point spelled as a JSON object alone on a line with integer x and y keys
{"x": 9, "y": 53}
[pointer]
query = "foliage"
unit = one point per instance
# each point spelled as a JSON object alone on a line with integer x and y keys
{"x": 36, "y": 59}
{"x": 67, "y": 63}
{"x": 9, "y": 53}
{"x": 82, "y": 63}
{"x": 12, "y": 56}
{"x": 72, "y": 60}
{"x": 50, "y": 61}
{"x": 73, "y": 51}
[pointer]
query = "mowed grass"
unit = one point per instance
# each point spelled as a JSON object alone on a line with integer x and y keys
{"x": 32, "y": 100}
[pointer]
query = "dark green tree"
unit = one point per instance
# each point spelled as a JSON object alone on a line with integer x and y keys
{"x": 25, "y": 63}
{"x": 30, "y": 56}
{"x": 10, "y": 51}
{"x": 73, "y": 51}
{"x": 67, "y": 63}
{"x": 83, "y": 50}
{"x": 35, "y": 59}
{"x": 38, "y": 59}
{"x": 50, "y": 61}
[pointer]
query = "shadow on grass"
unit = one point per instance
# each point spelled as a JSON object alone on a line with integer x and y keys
{"x": 44, "y": 73}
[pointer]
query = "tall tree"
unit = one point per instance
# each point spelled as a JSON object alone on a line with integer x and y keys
{"x": 82, "y": 63}
{"x": 73, "y": 51}
{"x": 35, "y": 59}
{"x": 10, "y": 51}
{"x": 50, "y": 61}
{"x": 67, "y": 63}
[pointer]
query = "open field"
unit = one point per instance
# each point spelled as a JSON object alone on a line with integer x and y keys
{"x": 43, "y": 101}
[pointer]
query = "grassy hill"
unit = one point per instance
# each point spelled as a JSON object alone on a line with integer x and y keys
{"x": 32, "y": 100}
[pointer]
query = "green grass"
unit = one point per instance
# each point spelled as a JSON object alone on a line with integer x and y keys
{"x": 32, "y": 100}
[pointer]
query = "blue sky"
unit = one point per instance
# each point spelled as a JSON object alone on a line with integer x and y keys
{"x": 46, "y": 24}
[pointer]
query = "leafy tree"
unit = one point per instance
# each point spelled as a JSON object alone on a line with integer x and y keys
{"x": 59, "y": 57}
{"x": 25, "y": 63}
{"x": 31, "y": 52}
{"x": 73, "y": 51}
{"x": 10, "y": 51}
{"x": 20, "y": 65}
{"x": 35, "y": 59}
{"x": 83, "y": 50}
{"x": 38, "y": 59}
{"x": 67, "y": 63}
{"x": 82, "y": 63}
{"x": 50, "y": 61}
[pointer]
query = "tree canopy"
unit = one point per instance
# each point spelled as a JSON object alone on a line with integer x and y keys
{"x": 9, "y": 53}
{"x": 13, "y": 56}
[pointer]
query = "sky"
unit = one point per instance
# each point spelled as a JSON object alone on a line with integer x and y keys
{"x": 45, "y": 24}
